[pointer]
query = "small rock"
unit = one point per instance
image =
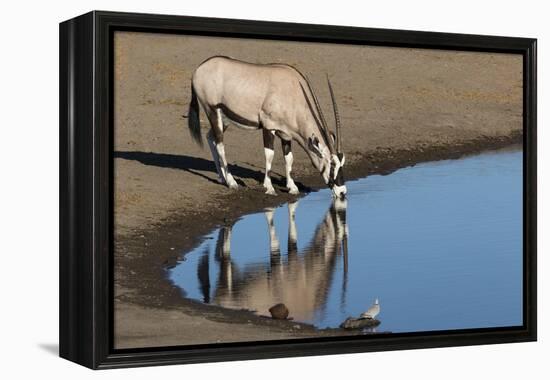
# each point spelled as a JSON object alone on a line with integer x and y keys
{"x": 279, "y": 311}
{"x": 358, "y": 323}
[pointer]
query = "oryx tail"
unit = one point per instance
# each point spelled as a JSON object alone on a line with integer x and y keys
{"x": 193, "y": 118}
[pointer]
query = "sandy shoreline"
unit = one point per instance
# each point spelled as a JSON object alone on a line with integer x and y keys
{"x": 398, "y": 106}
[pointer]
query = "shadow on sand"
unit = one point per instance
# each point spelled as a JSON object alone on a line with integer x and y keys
{"x": 195, "y": 165}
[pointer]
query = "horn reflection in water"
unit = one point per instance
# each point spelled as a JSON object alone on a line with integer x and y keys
{"x": 301, "y": 279}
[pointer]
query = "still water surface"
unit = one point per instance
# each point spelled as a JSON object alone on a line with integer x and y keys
{"x": 439, "y": 244}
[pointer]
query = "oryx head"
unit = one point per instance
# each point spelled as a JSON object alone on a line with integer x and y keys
{"x": 327, "y": 156}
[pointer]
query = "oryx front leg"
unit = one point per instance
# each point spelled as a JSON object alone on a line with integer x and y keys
{"x": 269, "y": 137}
{"x": 224, "y": 169}
{"x": 289, "y": 159}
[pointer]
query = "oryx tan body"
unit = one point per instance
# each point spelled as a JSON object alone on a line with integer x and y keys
{"x": 274, "y": 98}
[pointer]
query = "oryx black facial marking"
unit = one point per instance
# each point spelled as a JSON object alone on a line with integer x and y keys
{"x": 337, "y": 180}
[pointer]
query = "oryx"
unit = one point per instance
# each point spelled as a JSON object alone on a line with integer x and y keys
{"x": 275, "y": 98}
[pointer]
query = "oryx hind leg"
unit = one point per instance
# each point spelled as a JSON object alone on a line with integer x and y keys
{"x": 215, "y": 138}
{"x": 269, "y": 139}
{"x": 212, "y": 144}
{"x": 289, "y": 159}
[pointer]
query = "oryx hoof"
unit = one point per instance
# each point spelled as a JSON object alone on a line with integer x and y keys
{"x": 232, "y": 183}
{"x": 293, "y": 190}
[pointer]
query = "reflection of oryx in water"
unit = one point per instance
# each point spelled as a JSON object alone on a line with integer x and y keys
{"x": 300, "y": 280}
{"x": 275, "y": 98}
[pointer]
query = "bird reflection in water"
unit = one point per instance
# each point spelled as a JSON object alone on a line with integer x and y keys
{"x": 300, "y": 279}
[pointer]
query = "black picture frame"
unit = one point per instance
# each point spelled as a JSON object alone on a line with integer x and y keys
{"x": 86, "y": 192}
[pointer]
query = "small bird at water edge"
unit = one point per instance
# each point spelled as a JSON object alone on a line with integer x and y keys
{"x": 372, "y": 312}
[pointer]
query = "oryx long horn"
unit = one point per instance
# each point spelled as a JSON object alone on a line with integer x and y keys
{"x": 311, "y": 108}
{"x": 323, "y": 121}
{"x": 346, "y": 265}
{"x": 336, "y": 118}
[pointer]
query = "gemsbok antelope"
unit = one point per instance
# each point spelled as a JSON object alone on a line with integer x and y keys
{"x": 275, "y": 98}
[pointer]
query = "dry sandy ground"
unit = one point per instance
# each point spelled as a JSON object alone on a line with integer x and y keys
{"x": 398, "y": 107}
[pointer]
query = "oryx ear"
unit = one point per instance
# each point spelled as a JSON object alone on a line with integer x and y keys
{"x": 313, "y": 145}
{"x": 343, "y": 160}
{"x": 333, "y": 137}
